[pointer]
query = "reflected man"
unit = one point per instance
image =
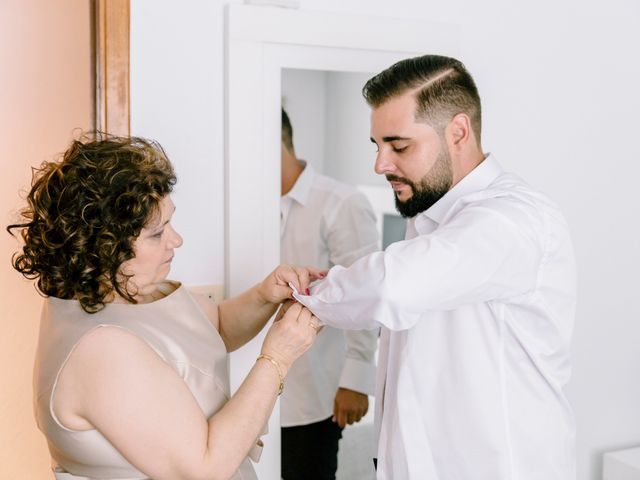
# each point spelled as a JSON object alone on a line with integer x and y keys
{"x": 324, "y": 223}
{"x": 477, "y": 304}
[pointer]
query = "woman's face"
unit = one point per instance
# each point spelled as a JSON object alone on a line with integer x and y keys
{"x": 153, "y": 251}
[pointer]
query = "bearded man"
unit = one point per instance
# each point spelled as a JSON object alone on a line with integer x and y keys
{"x": 476, "y": 305}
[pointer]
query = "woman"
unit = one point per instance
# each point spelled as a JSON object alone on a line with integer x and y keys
{"x": 130, "y": 378}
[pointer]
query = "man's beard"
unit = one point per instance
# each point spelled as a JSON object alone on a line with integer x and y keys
{"x": 431, "y": 188}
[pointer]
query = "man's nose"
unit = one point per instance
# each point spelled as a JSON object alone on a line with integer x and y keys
{"x": 383, "y": 165}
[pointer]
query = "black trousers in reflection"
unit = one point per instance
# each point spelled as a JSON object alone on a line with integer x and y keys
{"x": 310, "y": 452}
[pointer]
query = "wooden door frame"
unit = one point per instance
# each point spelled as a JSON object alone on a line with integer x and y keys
{"x": 112, "y": 25}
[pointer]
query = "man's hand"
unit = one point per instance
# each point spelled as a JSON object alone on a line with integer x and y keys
{"x": 349, "y": 407}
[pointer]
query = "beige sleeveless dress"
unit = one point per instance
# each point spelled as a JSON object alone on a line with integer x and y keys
{"x": 179, "y": 332}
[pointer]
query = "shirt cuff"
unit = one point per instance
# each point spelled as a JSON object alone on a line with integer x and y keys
{"x": 358, "y": 376}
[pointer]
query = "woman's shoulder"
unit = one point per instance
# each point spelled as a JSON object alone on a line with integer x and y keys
{"x": 208, "y": 306}
{"x": 106, "y": 361}
{"x": 105, "y": 344}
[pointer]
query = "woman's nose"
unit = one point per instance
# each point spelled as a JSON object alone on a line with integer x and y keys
{"x": 176, "y": 239}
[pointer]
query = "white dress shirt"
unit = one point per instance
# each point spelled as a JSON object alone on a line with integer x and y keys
{"x": 327, "y": 223}
{"x": 477, "y": 307}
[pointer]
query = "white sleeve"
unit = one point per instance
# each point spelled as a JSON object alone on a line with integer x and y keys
{"x": 352, "y": 231}
{"x": 359, "y": 370}
{"x": 352, "y": 235}
{"x": 490, "y": 250}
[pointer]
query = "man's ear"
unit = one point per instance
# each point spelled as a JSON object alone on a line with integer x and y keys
{"x": 458, "y": 132}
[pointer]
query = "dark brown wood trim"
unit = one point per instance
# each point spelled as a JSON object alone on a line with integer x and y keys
{"x": 112, "y": 67}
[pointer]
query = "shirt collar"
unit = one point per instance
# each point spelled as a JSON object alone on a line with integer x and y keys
{"x": 478, "y": 179}
{"x": 301, "y": 189}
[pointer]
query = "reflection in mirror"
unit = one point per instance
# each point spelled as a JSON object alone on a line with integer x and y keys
{"x": 393, "y": 228}
{"x": 330, "y": 124}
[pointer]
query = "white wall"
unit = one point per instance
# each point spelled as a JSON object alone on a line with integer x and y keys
{"x": 177, "y": 99}
{"x": 559, "y": 86}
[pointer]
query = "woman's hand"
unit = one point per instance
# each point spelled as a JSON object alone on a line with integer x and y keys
{"x": 275, "y": 288}
{"x": 293, "y": 332}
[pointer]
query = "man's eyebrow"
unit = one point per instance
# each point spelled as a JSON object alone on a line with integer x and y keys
{"x": 390, "y": 139}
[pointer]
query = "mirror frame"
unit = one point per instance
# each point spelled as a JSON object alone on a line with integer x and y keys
{"x": 260, "y": 42}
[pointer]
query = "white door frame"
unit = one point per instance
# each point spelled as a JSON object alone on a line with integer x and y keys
{"x": 261, "y": 41}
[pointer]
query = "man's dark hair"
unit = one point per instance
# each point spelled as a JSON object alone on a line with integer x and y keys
{"x": 442, "y": 88}
{"x": 287, "y": 131}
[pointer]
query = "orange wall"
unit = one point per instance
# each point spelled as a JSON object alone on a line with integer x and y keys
{"x": 45, "y": 93}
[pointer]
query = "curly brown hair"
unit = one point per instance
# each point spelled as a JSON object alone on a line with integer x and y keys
{"x": 84, "y": 213}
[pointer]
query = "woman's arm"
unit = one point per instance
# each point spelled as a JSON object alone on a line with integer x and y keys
{"x": 241, "y": 318}
{"x": 116, "y": 383}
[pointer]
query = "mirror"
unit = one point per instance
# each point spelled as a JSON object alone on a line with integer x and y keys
{"x": 330, "y": 133}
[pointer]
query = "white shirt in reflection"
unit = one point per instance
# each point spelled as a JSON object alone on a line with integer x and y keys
{"x": 477, "y": 308}
{"x": 326, "y": 223}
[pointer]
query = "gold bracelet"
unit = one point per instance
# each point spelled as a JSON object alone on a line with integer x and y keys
{"x": 277, "y": 365}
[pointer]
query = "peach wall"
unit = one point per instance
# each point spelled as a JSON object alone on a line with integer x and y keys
{"x": 45, "y": 93}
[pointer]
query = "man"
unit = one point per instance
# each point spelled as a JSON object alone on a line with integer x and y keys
{"x": 476, "y": 305}
{"x": 324, "y": 223}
